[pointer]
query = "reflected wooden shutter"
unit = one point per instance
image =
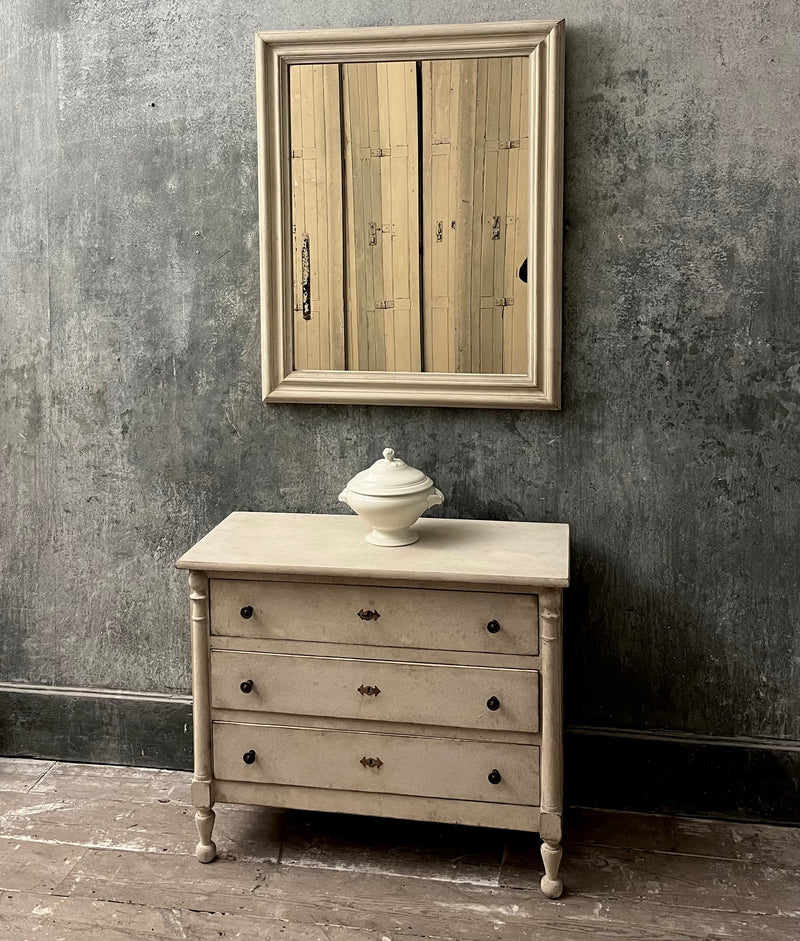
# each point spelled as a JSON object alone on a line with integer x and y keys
{"x": 475, "y": 187}
{"x": 379, "y": 113}
{"x": 317, "y": 238}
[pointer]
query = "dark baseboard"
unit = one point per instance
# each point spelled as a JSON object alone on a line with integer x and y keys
{"x": 679, "y": 773}
{"x": 105, "y": 727}
{"x": 617, "y": 769}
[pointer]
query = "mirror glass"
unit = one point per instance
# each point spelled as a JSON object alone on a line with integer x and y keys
{"x": 409, "y": 215}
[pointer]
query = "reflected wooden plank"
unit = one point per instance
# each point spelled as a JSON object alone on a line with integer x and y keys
{"x": 515, "y": 327}
{"x": 318, "y": 294}
{"x": 381, "y": 183}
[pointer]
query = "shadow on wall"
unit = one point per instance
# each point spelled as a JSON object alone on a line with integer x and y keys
{"x": 645, "y": 656}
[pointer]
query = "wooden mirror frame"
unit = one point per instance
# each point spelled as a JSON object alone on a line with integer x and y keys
{"x": 543, "y": 43}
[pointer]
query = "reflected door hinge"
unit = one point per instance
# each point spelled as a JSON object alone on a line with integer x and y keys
{"x": 374, "y": 229}
{"x": 509, "y": 144}
{"x": 380, "y": 152}
{"x": 384, "y": 305}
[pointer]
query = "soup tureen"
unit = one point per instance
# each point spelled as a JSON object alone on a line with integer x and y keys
{"x": 391, "y": 496}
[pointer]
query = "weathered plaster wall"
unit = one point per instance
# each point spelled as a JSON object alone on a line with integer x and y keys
{"x": 131, "y": 412}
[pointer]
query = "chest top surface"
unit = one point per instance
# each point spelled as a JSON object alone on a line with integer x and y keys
{"x": 478, "y": 552}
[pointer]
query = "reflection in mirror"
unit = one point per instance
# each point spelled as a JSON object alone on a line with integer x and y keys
{"x": 410, "y": 215}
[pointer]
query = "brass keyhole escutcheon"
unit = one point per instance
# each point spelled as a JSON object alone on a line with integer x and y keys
{"x": 371, "y": 762}
{"x": 369, "y": 690}
{"x": 368, "y": 615}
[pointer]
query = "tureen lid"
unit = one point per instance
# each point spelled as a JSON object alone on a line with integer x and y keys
{"x": 390, "y": 477}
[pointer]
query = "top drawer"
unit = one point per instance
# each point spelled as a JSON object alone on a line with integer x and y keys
{"x": 423, "y": 618}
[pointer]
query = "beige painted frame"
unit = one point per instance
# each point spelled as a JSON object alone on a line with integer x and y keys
{"x": 543, "y": 42}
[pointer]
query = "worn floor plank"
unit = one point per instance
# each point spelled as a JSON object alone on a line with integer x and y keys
{"x": 139, "y": 784}
{"x": 36, "y": 867}
{"x": 722, "y": 839}
{"x": 392, "y": 903}
{"x": 21, "y": 774}
{"x": 104, "y": 853}
{"x": 24, "y": 916}
{"x": 100, "y": 818}
{"x": 393, "y": 847}
{"x": 700, "y": 882}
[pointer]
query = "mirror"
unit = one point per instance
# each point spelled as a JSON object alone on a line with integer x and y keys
{"x": 410, "y": 194}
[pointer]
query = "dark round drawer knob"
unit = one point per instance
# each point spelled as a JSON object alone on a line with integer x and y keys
{"x": 246, "y": 686}
{"x": 250, "y": 756}
{"x": 493, "y": 627}
{"x": 494, "y": 776}
{"x": 493, "y": 703}
{"x": 246, "y": 612}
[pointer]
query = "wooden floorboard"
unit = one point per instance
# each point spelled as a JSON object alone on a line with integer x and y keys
{"x": 21, "y": 774}
{"x": 99, "y": 853}
{"x": 372, "y": 901}
{"x": 74, "y": 781}
{"x": 394, "y": 847}
{"x": 36, "y": 866}
{"x": 746, "y": 842}
{"x": 138, "y": 820}
{"x": 24, "y": 915}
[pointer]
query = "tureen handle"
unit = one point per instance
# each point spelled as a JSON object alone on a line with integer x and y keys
{"x": 435, "y": 497}
{"x": 388, "y": 454}
{"x": 343, "y": 497}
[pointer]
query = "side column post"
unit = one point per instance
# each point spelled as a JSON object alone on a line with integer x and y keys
{"x": 203, "y": 780}
{"x": 552, "y": 754}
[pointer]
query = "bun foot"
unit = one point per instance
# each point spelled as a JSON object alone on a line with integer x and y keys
{"x": 552, "y": 888}
{"x": 551, "y": 885}
{"x": 206, "y": 852}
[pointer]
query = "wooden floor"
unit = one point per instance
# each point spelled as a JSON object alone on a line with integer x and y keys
{"x": 95, "y": 853}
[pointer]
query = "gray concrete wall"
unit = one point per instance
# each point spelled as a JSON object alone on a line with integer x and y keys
{"x": 131, "y": 412}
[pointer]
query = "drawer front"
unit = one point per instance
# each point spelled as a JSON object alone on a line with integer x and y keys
{"x": 429, "y": 694}
{"x": 484, "y": 622}
{"x": 365, "y": 761}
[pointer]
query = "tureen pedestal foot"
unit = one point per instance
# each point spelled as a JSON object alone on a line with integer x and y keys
{"x": 399, "y": 537}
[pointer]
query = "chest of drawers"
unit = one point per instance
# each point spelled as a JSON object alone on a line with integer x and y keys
{"x": 421, "y": 682}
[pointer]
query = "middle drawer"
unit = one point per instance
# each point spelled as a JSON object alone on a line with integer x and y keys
{"x": 383, "y": 690}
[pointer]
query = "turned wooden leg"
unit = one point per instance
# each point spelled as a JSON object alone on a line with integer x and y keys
{"x": 203, "y": 781}
{"x": 206, "y": 849}
{"x": 552, "y": 755}
{"x": 552, "y": 886}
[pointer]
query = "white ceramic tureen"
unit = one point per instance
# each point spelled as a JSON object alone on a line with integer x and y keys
{"x": 391, "y": 496}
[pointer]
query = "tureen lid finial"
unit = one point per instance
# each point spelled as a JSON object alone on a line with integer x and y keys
{"x": 388, "y": 453}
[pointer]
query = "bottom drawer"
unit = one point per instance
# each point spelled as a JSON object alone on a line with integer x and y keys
{"x": 371, "y": 761}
